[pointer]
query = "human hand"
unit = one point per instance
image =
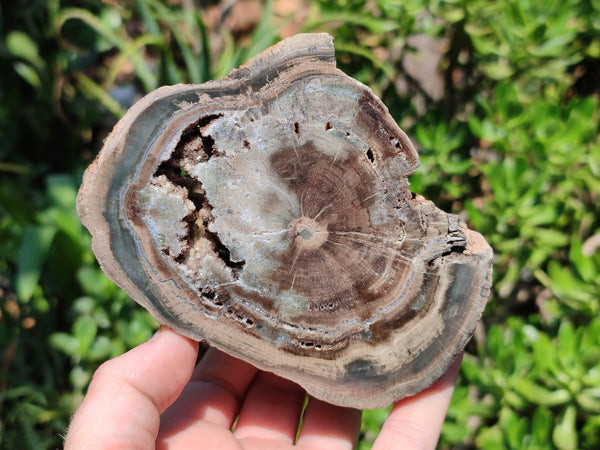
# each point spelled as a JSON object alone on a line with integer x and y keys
{"x": 152, "y": 396}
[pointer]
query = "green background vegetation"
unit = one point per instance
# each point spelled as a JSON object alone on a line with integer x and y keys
{"x": 501, "y": 98}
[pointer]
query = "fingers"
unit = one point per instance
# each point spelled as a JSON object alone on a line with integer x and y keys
{"x": 271, "y": 413}
{"x": 268, "y": 409}
{"x": 271, "y": 410}
{"x": 133, "y": 389}
{"x": 415, "y": 422}
{"x": 328, "y": 426}
{"x": 211, "y": 399}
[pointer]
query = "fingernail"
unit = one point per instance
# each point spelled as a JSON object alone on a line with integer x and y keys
{"x": 158, "y": 332}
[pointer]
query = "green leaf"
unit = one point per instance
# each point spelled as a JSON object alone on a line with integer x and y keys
{"x": 541, "y": 426}
{"x": 514, "y": 427}
{"x": 61, "y": 190}
{"x": 453, "y": 13}
{"x": 540, "y": 395}
{"x": 368, "y": 21}
{"x": 499, "y": 70}
{"x": 94, "y": 91}
{"x": 34, "y": 247}
{"x": 359, "y": 50}
{"x": 454, "y": 433}
{"x": 84, "y": 330}
{"x": 553, "y": 48}
{"x": 495, "y": 343}
{"x": 593, "y": 50}
{"x": 564, "y": 284}
{"x": 149, "y": 20}
{"x": 567, "y": 340}
{"x": 483, "y": 43}
{"x": 491, "y": 437}
{"x": 84, "y": 305}
{"x": 127, "y": 53}
{"x": 472, "y": 371}
{"x": 28, "y": 74}
{"x": 94, "y": 282}
{"x": 589, "y": 400}
{"x": 564, "y": 435}
{"x": 514, "y": 401}
{"x": 551, "y": 237}
{"x": 79, "y": 377}
{"x": 22, "y": 46}
{"x": 584, "y": 264}
{"x": 65, "y": 343}
{"x": 544, "y": 353}
{"x": 139, "y": 328}
{"x": 100, "y": 349}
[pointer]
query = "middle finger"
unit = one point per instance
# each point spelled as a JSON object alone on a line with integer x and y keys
{"x": 271, "y": 410}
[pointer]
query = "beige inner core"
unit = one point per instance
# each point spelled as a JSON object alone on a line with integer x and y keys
{"x": 310, "y": 234}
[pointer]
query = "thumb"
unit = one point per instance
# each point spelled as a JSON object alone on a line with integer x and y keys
{"x": 127, "y": 394}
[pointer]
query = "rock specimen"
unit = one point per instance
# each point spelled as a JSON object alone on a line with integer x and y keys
{"x": 268, "y": 213}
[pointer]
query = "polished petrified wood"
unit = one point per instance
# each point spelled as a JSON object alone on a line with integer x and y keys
{"x": 268, "y": 213}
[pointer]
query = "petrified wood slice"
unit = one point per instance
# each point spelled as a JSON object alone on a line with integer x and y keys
{"x": 268, "y": 213}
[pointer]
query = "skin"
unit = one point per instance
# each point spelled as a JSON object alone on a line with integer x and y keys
{"x": 154, "y": 397}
